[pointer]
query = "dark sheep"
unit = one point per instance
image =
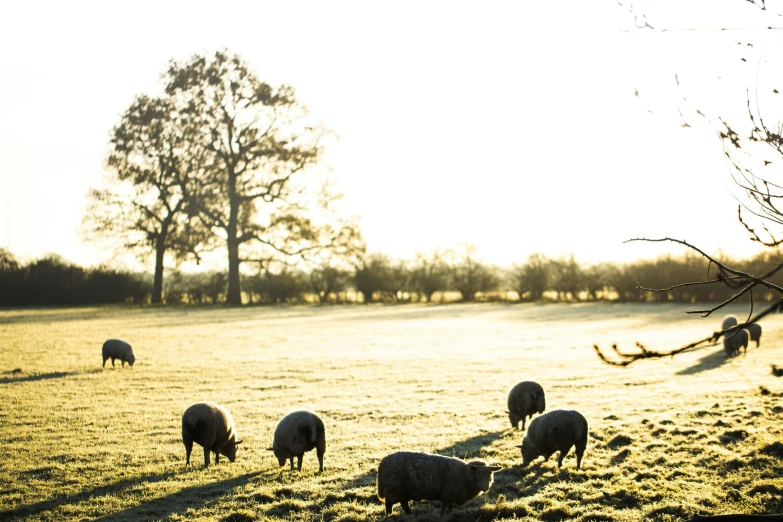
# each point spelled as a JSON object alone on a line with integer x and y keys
{"x": 211, "y": 426}
{"x": 557, "y": 430}
{"x": 297, "y": 433}
{"x": 405, "y": 476}
{"x": 732, "y": 342}
{"x": 118, "y": 349}
{"x": 754, "y": 329}
{"x": 524, "y": 400}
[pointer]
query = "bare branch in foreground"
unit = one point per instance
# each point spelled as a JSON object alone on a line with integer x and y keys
{"x": 643, "y": 352}
{"x": 737, "y": 278}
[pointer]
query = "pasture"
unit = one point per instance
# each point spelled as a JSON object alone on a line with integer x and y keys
{"x": 668, "y": 438}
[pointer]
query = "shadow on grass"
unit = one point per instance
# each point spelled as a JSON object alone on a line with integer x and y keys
{"x": 708, "y": 362}
{"x": 509, "y": 484}
{"x": 469, "y": 447}
{"x": 47, "y": 505}
{"x": 44, "y": 376}
{"x": 193, "y": 497}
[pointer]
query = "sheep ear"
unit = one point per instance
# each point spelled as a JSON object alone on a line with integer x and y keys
{"x": 518, "y": 446}
{"x": 473, "y": 467}
{"x": 237, "y": 443}
{"x": 270, "y": 449}
{"x": 494, "y": 469}
{"x": 508, "y": 412}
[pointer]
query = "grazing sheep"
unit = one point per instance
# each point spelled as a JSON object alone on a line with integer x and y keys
{"x": 524, "y": 400}
{"x": 296, "y": 433}
{"x": 728, "y": 322}
{"x": 211, "y": 426}
{"x": 118, "y": 349}
{"x": 557, "y": 430}
{"x": 734, "y": 341}
{"x": 406, "y": 475}
{"x": 755, "y": 332}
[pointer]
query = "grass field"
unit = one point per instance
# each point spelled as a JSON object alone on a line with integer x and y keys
{"x": 668, "y": 438}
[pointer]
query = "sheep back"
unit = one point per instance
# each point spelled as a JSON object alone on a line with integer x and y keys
{"x": 405, "y": 475}
{"x": 296, "y": 433}
{"x": 118, "y": 349}
{"x": 212, "y": 427}
{"x": 557, "y": 430}
{"x": 524, "y": 400}
{"x": 728, "y": 321}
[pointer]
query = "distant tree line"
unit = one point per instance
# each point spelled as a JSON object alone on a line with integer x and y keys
{"x": 52, "y": 280}
{"x": 435, "y": 277}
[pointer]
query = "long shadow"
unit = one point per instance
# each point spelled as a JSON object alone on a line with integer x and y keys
{"x": 510, "y": 482}
{"x": 708, "y": 362}
{"x": 193, "y": 497}
{"x": 44, "y": 376}
{"x": 465, "y": 448}
{"x": 47, "y": 505}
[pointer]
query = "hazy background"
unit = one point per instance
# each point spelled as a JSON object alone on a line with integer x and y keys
{"x": 513, "y": 127}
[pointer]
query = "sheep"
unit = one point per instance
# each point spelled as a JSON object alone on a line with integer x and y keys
{"x": 211, "y": 426}
{"x": 732, "y": 342}
{"x": 118, "y": 349}
{"x": 406, "y": 475}
{"x": 296, "y": 433}
{"x": 728, "y": 322}
{"x": 524, "y": 400}
{"x": 754, "y": 330}
{"x": 557, "y": 430}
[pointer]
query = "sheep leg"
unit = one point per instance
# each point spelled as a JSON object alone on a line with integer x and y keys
{"x": 405, "y": 506}
{"x": 523, "y": 424}
{"x": 292, "y": 463}
{"x": 217, "y": 457}
{"x": 123, "y": 363}
{"x": 188, "y": 449}
{"x": 112, "y": 362}
{"x": 299, "y": 462}
{"x": 320, "y": 454}
{"x": 580, "y": 450}
{"x": 389, "y": 505}
{"x": 206, "y": 456}
{"x": 560, "y": 458}
{"x": 104, "y": 362}
{"x": 444, "y": 506}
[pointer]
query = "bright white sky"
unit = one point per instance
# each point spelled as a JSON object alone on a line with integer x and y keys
{"x": 512, "y": 126}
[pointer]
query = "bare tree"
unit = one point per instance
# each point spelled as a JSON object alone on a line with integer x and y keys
{"x": 531, "y": 279}
{"x": 259, "y": 145}
{"x": 332, "y": 268}
{"x": 567, "y": 277}
{"x": 469, "y": 276}
{"x": 144, "y": 205}
{"x": 373, "y": 275}
{"x": 326, "y": 280}
{"x": 429, "y": 274}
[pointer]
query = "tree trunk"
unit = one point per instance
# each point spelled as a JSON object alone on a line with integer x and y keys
{"x": 157, "y": 282}
{"x": 234, "y": 294}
